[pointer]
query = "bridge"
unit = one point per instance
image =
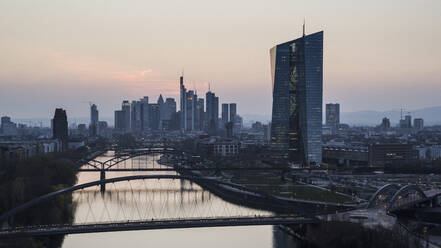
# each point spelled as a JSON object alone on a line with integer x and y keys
{"x": 396, "y": 200}
{"x": 118, "y": 162}
{"x": 136, "y": 205}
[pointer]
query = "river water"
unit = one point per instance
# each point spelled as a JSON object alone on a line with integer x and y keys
{"x": 160, "y": 199}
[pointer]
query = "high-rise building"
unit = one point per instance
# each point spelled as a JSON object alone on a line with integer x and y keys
{"x": 154, "y": 116}
{"x": 200, "y": 114}
{"x": 212, "y": 112}
{"x": 59, "y": 127}
{"x": 191, "y": 110}
{"x": 93, "y": 127}
{"x": 333, "y": 115}
{"x": 126, "y": 107}
{"x": 225, "y": 113}
{"x": 297, "y": 80}
{"x": 183, "y": 103}
{"x": 170, "y": 108}
{"x": 145, "y": 121}
{"x": 406, "y": 122}
{"x": 385, "y": 123}
{"x": 123, "y": 120}
{"x": 233, "y": 112}
{"x": 119, "y": 121}
{"x": 8, "y": 128}
{"x": 136, "y": 117}
{"x": 418, "y": 124}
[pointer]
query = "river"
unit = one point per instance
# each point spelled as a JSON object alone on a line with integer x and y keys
{"x": 158, "y": 199}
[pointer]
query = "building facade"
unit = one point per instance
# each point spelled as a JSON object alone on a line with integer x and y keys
{"x": 212, "y": 112}
{"x": 93, "y": 120}
{"x": 59, "y": 127}
{"x": 225, "y": 113}
{"x": 297, "y": 78}
{"x": 333, "y": 114}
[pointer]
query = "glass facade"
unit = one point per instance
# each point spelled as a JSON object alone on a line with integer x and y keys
{"x": 297, "y": 78}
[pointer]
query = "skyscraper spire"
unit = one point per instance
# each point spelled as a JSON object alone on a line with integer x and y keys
{"x": 303, "y": 27}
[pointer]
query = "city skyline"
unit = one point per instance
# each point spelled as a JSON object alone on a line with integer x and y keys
{"x": 78, "y": 64}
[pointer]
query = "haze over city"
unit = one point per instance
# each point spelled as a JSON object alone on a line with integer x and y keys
{"x": 378, "y": 55}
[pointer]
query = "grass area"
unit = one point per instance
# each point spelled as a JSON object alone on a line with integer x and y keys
{"x": 273, "y": 185}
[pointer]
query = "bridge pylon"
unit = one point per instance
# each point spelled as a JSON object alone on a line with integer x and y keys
{"x": 102, "y": 178}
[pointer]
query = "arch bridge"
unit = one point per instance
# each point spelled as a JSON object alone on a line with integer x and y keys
{"x": 394, "y": 198}
{"x": 133, "y": 207}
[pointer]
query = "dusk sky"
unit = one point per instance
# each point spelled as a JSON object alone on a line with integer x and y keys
{"x": 378, "y": 55}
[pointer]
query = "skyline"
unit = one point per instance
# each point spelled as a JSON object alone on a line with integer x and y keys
{"x": 76, "y": 59}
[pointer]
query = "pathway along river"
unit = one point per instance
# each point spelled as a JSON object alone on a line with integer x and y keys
{"x": 163, "y": 199}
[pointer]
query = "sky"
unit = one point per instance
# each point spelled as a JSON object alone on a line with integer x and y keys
{"x": 378, "y": 55}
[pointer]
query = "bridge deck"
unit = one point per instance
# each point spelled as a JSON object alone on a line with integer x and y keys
{"x": 150, "y": 225}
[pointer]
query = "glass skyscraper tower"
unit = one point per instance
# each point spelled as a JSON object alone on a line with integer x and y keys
{"x": 297, "y": 78}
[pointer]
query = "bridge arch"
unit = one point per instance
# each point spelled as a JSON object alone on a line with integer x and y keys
{"x": 404, "y": 196}
{"x": 383, "y": 194}
{"x": 242, "y": 194}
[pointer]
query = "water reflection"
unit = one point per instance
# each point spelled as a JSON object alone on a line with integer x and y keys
{"x": 159, "y": 199}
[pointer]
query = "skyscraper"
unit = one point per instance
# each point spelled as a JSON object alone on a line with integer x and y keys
{"x": 93, "y": 120}
{"x": 119, "y": 121}
{"x": 59, "y": 127}
{"x": 154, "y": 116}
{"x": 212, "y": 112}
{"x": 333, "y": 115}
{"x": 170, "y": 109}
{"x": 145, "y": 123}
{"x": 418, "y": 124}
{"x": 224, "y": 113}
{"x": 233, "y": 112}
{"x": 136, "y": 117}
{"x": 191, "y": 110}
{"x": 183, "y": 101}
{"x": 297, "y": 78}
{"x": 126, "y": 107}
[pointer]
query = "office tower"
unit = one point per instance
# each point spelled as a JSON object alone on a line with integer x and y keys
{"x": 126, "y": 107}
{"x": 183, "y": 94}
{"x": 408, "y": 121}
{"x": 200, "y": 114}
{"x": 136, "y": 117}
{"x": 59, "y": 127}
{"x": 385, "y": 123}
{"x": 154, "y": 116}
{"x": 418, "y": 124}
{"x": 267, "y": 133}
{"x": 170, "y": 108}
{"x": 93, "y": 120}
{"x": 190, "y": 110}
{"x": 119, "y": 121}
{"x": 162, "y": 108}
{"x": 297, "y": 80}
{"x": 145, "y": 122}
{"x": 333, "y": 115}
{"x": 103, "y": 129}
{"x": 212, "y": 114}
{"x": 224, "y": 113}
{"x": 233, "y": 112}
{"x": 8, "y": 128}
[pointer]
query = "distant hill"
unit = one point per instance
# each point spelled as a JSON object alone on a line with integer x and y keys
{"x": 431, "y": 116}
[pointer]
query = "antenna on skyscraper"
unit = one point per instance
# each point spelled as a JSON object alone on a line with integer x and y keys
{"x": 209, "y": 87}
{"x": 304, "y": 27}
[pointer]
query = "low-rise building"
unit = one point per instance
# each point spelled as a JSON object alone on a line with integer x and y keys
{"x": 226, "y": 148}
